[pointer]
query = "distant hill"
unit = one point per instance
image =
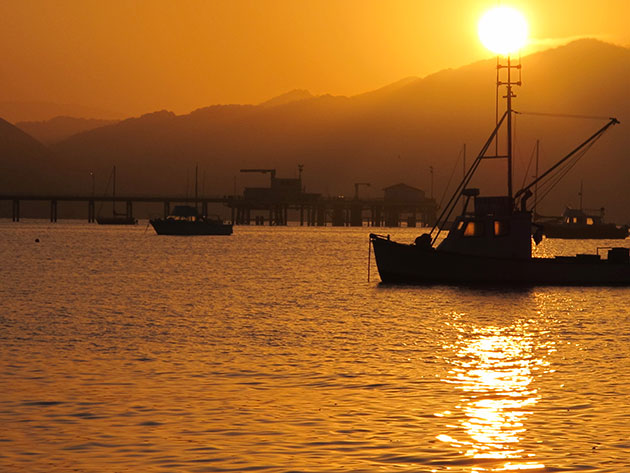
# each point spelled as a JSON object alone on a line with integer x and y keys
{"x": 59, "y": 128}
{"x": 25, "y": 162}
{"x": 291, "y": 96}
{"x": 386, "y": 136}
{"x": 14, "y": 111}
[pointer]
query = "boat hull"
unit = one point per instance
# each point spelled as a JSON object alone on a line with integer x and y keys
{"x": 608, "y": 231}
{"x": 189, "y": 228}
{"x": 117, "y": 221}
{"x": 410, "y": 264}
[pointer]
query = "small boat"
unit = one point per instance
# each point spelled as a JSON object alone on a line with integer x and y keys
{"x": 185, "y": 220}
{"x": 490, "y": 242}
{"x": 116, "y": 217}
{"x": 578, "y": 224}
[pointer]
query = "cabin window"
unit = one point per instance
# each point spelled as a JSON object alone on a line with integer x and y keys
{"x": 460, "y": 224}
{"x": 473, "y": 229}
{"x": 574, "y": 220}
{"x": 501, "y": 228}
{"x": 589, "y": 221}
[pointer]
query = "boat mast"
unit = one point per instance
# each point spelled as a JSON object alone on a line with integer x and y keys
{"x": 114, "y": 190}
{"x": 509, "y": 127}
{"x": 196, "y": 187}
{"x": 509, "y": 95}
{"x": 464, "y": 173}
{"x": 536, "y": 177}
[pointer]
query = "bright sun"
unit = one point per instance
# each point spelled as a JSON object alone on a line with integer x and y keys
{"x": 503, "y": 30}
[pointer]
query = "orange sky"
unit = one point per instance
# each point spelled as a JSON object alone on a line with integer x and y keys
{"x": 139, "y": 56}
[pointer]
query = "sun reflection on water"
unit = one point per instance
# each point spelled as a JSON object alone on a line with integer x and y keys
{"x": 492, "y": 368}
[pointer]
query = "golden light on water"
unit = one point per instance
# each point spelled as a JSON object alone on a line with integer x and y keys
{"x": 493, "y": 370}
{"x": 503, "y": 30}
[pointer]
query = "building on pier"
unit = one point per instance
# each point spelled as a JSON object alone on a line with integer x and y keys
{"x": 402, "y": 202}
{"x": 275, "y": 201}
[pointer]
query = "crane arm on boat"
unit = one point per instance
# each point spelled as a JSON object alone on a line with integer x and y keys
{"x": 523, "y": 193}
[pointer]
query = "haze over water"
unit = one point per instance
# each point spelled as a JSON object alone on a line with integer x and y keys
{"x": 269, "y": 351}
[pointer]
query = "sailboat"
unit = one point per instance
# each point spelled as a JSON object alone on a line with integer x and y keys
{"x": 490, "y": 242}
{"x": 185, "y": 220}
{"x": 116, "y": 218}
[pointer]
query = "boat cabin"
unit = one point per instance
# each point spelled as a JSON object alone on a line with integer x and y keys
{"x": 184, "y": 212}
{"x": 579, "y": 217}
{"x": 493, "y": 228}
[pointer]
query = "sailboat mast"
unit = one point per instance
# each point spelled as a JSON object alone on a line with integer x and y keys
{"x": 114, "y": 190}
{"x": 196, "y": 186}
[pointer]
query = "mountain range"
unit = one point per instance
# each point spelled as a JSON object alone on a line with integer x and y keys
{"x": 60, "y": 128}
{"x": 394, "y": 134}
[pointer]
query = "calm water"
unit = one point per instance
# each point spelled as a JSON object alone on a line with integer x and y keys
{"x": 269, "y": 351}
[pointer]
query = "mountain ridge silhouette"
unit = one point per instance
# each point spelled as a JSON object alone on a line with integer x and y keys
{"x": 388, "y": 135}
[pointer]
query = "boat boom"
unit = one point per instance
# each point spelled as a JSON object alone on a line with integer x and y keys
{"x": 597, "y": 134}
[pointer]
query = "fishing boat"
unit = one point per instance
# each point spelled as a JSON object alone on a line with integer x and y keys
{"x": 582, "y": 224}
{"x": 490, "y": 242}
{"x": 579, "y": 224}
{"x": 116, "y": 218}
{"x": 185, "y": 220}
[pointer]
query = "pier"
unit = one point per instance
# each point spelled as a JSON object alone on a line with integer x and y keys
{"x": 308, "y": 209}
{"x": 273, "y": 205}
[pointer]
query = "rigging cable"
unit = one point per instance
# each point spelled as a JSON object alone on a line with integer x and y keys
{"x": 566, "y": 163}
{"x": 529, "y": 164}
{"x": 563, "y": 115}
{"x": 547, "y": 185}
{"x": 450, "y": 178}
{"x": 441, "y": 220}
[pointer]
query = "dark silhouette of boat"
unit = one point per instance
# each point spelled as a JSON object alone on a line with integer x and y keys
{"x": 117, "y": 220}
{"x": 185, "y": 220}
{"x": 579, "y": 224}
{"x": 116, "y": 217}
{"x": 490, "y": 243}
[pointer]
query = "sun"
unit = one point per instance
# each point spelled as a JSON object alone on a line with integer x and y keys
{"x": 503, "y": 30}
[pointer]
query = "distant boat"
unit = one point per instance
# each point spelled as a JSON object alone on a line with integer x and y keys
{"x": 116, "y": 218}
{"x": 185, "y": 220}
{"x": 491, "y": 244}
{"x": 578, "y": 224}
